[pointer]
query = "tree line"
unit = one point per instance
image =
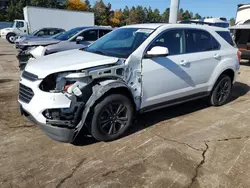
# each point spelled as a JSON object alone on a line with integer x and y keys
{"x": 104, "y": 14}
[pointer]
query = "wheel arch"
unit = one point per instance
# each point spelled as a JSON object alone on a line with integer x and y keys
{"x": 228, "y": 71}
{"x": 101, "y": 89}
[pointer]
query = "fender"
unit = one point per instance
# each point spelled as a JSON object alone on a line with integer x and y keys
{"x": 226, "y": 64}
{"x": 99, "y": 90}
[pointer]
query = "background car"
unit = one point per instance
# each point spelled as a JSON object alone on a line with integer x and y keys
{"x": 73, "y": 39}
{"x": 44, "y": 32}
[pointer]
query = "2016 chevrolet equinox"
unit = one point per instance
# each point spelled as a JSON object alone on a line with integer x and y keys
{"x": 136, "y": 68}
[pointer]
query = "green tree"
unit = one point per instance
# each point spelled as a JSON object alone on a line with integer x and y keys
{"x": 103, "y": 13}
{"x": 139, "y": 10}
{"x": 232, "y": 21}
{"x": 88, "y": 4}
{"x": 197, "y": 16}
{"x": 186, "y": 15}
{"x": 133, "y": 16}
{"x": 15, "y": 9}
{"x": 125, "y": 15}
{"x": 165, "y": 15}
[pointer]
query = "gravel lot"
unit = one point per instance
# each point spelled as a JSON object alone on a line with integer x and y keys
{"x": 190, "y": 145}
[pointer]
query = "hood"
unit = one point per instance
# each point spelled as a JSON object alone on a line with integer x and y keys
{"x": 38, "y": 41}
{"x": 6, "y": 30}
{"x": 65, "y": 45}
{"x": 67, "y": 61}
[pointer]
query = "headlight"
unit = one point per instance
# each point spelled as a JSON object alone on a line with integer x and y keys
{"x": 67, "y": 82}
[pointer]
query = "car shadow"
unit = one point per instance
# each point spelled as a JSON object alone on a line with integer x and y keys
{"x": 149, "y": 119}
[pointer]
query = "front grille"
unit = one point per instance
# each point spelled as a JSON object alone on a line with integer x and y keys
{"x": 29, "y": 76}
{"x": 25, "y": 93}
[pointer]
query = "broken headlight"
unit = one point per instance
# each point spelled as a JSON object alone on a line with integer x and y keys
{"x": 69, "y": 82}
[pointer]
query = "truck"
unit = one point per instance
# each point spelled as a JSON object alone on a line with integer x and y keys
{"x": 241, "y": 30}
{"x": 36, "y": 18}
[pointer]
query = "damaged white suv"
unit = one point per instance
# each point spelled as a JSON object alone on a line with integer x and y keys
{"x": 135, "y": 68}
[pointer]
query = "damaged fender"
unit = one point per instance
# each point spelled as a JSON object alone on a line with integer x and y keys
{"x": 98, "y": 91}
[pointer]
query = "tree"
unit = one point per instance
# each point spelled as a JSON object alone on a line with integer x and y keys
{"x": 232, "y": 21}
{"x": 197, "y": 16}
{"x": 125, "y": 15}
{"x": 87, "y": 3}
{"x": 102, "y": 13}
{"x": 76, "y": 5}
{"x": 133, "y": 16}
{"x": 165, "y": 15}
{"x": 141, "y": 14}
{"x": 45, "y": 3}
{"x": 115, "y": 20}
{"x": 186, "y": 15}
{"x": 180, "y": 14}
{"x": 15, "y": 9}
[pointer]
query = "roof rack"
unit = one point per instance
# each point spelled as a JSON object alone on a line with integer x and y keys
{"x": 224, "y": 25}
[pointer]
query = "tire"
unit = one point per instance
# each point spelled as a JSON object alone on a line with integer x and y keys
{"x": 105, "y": 124}
{"x": 11, "y": 38}
{"x": 221, "y": 92}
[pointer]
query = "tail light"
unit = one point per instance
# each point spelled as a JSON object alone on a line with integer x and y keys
{"x": 239, "y": 55}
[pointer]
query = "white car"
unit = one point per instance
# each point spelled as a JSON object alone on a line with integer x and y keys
{"x": 136, "y": 68}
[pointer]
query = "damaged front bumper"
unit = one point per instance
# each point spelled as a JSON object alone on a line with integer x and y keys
{"x": 55, "y": 113}
{"x": 59, "y": 134}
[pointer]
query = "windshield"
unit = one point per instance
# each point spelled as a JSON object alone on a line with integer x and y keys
{"x": 34, "y": 32}
{"x": 67, "y": 35}
{"x": 56, "y": 35}
{"x": 120, "y": 42}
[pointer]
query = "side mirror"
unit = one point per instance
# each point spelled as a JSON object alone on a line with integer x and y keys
{"x": 157, "y": 51}
{"x": 79, "y": 39}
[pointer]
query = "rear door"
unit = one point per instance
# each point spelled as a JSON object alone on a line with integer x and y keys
{"x": 202, "y": 56}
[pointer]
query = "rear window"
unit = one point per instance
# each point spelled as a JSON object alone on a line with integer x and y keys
{"x": 227, "y": 37}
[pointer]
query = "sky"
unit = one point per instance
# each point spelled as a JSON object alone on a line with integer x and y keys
{"x": 215, "y": 8}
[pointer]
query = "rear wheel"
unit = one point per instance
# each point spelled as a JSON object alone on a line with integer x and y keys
{"x": 112, "y": 117}
{"x": 222, "y": 91}
{"x": 11, "y": 38}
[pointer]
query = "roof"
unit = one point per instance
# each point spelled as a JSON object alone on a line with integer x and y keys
{"x": 157, "y": 25}
{"x": 145, "y": 26}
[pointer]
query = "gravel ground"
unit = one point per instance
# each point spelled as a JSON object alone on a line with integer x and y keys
{"x": 189, "y": 145}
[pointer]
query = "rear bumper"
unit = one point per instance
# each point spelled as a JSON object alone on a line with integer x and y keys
{"x": 59, "y": 134}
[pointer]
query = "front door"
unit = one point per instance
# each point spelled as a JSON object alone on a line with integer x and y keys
{"x": 163, "y": 79}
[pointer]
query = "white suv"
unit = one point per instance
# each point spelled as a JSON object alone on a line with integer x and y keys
{"x": 136, "y": 68}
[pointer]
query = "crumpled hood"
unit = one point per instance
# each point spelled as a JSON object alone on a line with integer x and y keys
{"x": 38, "y": 41}
{"x": 67, "y": 61}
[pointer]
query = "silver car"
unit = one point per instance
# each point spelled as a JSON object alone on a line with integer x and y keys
{"x": 79, "y": 37}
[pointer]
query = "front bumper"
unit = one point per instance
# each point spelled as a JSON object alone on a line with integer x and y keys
{"x": 56, "y": 133}
{"x": 58, "y": 130}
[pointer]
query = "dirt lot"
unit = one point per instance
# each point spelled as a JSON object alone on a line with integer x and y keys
{"x": 190, "y": 145}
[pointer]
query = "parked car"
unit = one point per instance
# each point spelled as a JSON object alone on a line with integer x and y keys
{"x": 37, "y": 17}
{"x": 42, "y": 33}
{"x": 136, "y": 68}
{"x": 75, "y": 38}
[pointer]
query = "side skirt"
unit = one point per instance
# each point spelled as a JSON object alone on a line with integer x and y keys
{"x": 174, "y": 102}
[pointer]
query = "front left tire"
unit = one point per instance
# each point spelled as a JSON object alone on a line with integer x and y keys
{"x": 112, "y": 117}
{"x": 11, "y": 37}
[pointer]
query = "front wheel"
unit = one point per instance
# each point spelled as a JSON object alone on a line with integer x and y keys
{"x": 11, "y": 38}
{"x": 222, "y": 91}
{"x": 112, "y": 117}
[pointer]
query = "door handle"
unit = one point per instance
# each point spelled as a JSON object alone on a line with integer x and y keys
{"x": 217, "y": 56}
{"x": 184, "y": 63}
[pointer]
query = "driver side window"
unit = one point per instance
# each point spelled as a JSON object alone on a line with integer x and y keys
{"x": 173, "y": 40}
{"x": 19, "y": 24}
